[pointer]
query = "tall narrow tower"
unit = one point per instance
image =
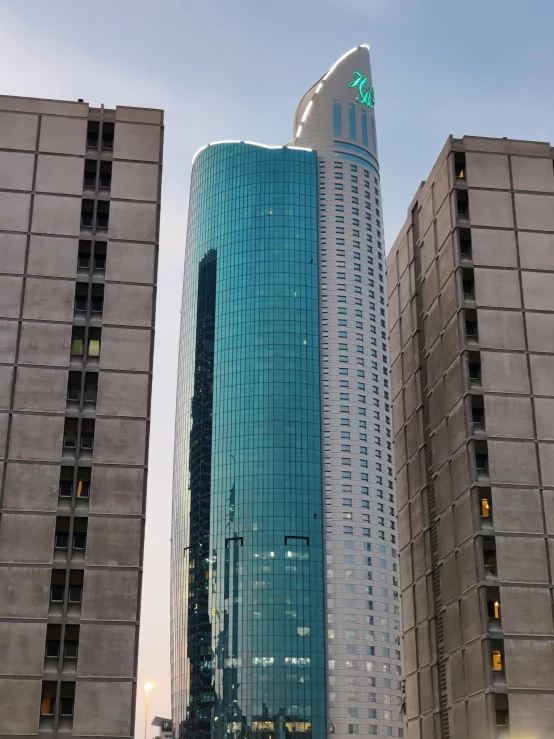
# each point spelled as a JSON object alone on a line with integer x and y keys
{"x": 364, "y": 655}
{"x": 285, "y": 600}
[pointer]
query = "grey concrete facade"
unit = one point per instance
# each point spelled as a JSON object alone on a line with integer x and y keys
{"x": 79, "y": 224}
{"x": 471, "y": 312}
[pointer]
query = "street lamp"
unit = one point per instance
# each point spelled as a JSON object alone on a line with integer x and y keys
{"x": 147, "y": 687}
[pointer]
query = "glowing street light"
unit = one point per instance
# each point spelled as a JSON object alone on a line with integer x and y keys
{"x": 147, "y": 687}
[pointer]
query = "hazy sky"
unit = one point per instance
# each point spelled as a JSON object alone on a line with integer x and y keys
{"x": 236, "y": 69}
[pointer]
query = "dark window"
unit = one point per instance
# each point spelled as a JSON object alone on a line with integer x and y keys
{"x": 83, "y": 260}
{"x": 477, "y": 416}
{"x": 100, "y": 256}
{"x": 53, "y": 645}
{"x": 57, "y": 590}
{"x": 481, "y": 460}
{"x": 70, "y": 649}
{"x": 91, "y": 387}
{"x": 97, "y": 299}
{"x": 81, "y": 297}
{"x": 468, "y": 287}
{"x": 87, "y": 441}
{"x": 97, "y": 304}
{"x": 463, "y": 204}
{"x": 89, "y": 179}
{"x": 107, "y": 135}
{"x": 490, "y": 562}
{"x": 87, "y": 213}
{"x": 74, "y": 387}
{"x": 80, "y": 533}
{"x": 71, "y": 641}
{"x": 475, "y": 371}
{"x": 56, "y": 593}
{"x": 471, "y": 329}
{"x": 75, "y": 593}
{"x": 61, "y": 540}
{"x": 79, "y": 540}
{"x": 66, "y": 706}
{"x": 93, "y": 130}
{"x": 102, "y": 214}
{"x": 67, "y": 698}
{"x": 76, "y": 584}
{"x": 105, "y": 175}
{"x": 66, "y": 488}
{"x": 465, "y": 242}
{"x": 87, "y": 434}
{"x": 70, "y": 433}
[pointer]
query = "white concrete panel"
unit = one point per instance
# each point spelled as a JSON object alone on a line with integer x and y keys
{"x": 16, "y": 170}
{"x": 62, "y": 175}
{"x": 63, "y": 135}
{"x": 18, "y": 130}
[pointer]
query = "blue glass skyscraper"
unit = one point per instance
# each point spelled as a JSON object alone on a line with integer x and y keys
{"x": 283, "y": 498}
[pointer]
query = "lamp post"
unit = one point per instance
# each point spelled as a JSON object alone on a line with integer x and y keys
{"x": 147, "y": 687}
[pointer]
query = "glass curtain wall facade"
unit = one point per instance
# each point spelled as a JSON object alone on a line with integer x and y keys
{"x": 285, "y": 339}
{"x": 247, "y": 571}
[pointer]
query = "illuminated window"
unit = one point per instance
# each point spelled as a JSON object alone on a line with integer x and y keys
{"x": 77, "y": 346}
{"x": 262, "y": 726}
{"x": 48, "y": 698}
{"x": 47, "y": 706}
{"x": 485, "y": 508}
{"x": 459, "y": 166}
{"x": 94, "y": 339}
{"x": 497, "y": 661}
{"x": 493, "y": 609}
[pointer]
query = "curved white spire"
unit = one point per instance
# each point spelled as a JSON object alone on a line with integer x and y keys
{"x": 305, "y": 106}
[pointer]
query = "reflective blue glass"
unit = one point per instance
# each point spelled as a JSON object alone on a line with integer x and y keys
{"x": 337, "y": 118}
{"x": 352, "y": 120}
{"x": 247, "y": 552}
{"x": 364, "y": 129}
{"x": 373, "y": 135}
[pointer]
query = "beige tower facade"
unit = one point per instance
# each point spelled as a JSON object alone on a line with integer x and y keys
{"x": 471, "y": 311}
{"x": 79, "y": 224}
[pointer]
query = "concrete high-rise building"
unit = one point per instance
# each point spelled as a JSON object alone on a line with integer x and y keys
{"x": 471, "y": 310}
{"x": 79, "y": 215}
{"x": 285, "y": 596}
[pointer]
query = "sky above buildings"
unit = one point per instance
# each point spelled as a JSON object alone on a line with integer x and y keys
{"x": 236, "y": 69}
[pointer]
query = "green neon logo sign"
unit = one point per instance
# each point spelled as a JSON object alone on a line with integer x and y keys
{"x": 367, "y": 95}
